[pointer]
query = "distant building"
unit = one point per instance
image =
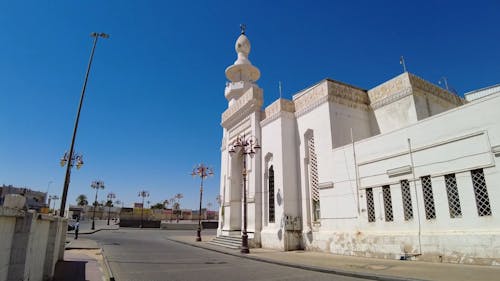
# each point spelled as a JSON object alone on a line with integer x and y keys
{"x": 34, "y": 199}
{"x": 481, "y": 93}
{"x": 405, "y": 169}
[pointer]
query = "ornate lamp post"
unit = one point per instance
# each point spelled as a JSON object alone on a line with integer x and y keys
{"x": 203, "y": 172}
{"x": 143, "y": 194}
{"x": 247, "y": 145}
{"x": 96, "y": 185}
{"x": 70, "y": 155}
{"x": 110, "y": 197}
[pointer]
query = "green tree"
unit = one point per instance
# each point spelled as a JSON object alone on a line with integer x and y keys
{"x": 158, "y": 206}
{"x": 81, "y": 200}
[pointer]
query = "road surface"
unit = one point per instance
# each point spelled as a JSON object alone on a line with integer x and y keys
{"x": 143, "y": 254}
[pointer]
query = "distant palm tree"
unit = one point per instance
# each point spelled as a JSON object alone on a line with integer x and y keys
{"x": 166, "y": 203}
{"x": 82, "y": 200}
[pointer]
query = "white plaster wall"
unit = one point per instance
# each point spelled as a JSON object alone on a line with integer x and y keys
{"x": 396, "y": 115}
{"x": 272, "y": 144}
{"x": 343, "y": 119}
{"x": 279, "y": 140}
{"x": 456, "y": 141}
{"x": 7, "y": 225}
{"x": 317, "y": 120}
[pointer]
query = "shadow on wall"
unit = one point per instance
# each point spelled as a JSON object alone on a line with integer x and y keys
{"x": 70, "y": 271}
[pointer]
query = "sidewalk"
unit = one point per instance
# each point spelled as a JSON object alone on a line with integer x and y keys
{"x": 378, "y": 269}
{"x": 83, "y": 258}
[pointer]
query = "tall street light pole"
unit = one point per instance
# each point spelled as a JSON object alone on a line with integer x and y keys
{"x": 143, "y": 194}
{"x": 70, "y": 155}
{"x": 110, "y": 196}
{"x": 96, "y": 185}
{"x": 247, "y": 145}
{"x": 203, "y": 172}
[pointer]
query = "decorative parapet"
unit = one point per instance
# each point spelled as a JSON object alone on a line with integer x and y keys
{"x": 277, "y": 107}
{"x": 429, "y": 88}
{"x": 250, "y": 101}
{"x": 390, "y": 91}
{"x": 408, "y": 84}
{"x": 331, "y": 91}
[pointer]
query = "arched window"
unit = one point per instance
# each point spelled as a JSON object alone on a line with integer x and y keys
{"x": 271, "y": 193}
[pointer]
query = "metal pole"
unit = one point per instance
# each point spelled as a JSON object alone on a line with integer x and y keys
{"x": 244, "y": 237}
{"x": 109, "y": 212}
{"x": 70, "y": 161}
{"x": 198, "y": 234}
{"x": 142, "y": 209}
{"x": 95, "y": 205}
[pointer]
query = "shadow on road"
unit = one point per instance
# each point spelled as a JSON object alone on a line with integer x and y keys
{"x": 70, "y": 271}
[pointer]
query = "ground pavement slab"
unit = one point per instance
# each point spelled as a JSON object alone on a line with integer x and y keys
{"x": 378, "y": 269}
{"x": 80, "y": 265}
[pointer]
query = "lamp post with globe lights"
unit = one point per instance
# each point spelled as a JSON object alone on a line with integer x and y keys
{"x": 72, "y": 146}
{"x": 244, "y": 145}
{"x": 96, "y": 185}
{"x": 203, "y": 172}
{"x": 110, "y": 197}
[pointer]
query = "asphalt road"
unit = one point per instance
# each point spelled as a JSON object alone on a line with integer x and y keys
{"x": 136, "y": 255}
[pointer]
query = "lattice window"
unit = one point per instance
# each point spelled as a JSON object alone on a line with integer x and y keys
{"x": 481, "y": 192}
{"x": 430, "y": 210}
{"x": 271, "y": 193}
{"x": 453, "y": 198}
{"x": 313, "y": 178}
{"x": 386, "y": 192}
{"x": 370, "y": 206}
{"x": 407, "y": 205}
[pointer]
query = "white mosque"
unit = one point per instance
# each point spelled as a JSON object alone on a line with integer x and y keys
{"x": 406, "y": 170}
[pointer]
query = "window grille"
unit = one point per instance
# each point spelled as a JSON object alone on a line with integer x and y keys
{"x": 453, "y": 198}
{"x": 386, "y": 192}
{"x": 313, "y": 178}
{"x": 271, "y": 194}
{"x": 481, "y": 192}
{"x": 407, "y": 205}
{"x": 430, "y": 211}
{"x": 369, "y": 205}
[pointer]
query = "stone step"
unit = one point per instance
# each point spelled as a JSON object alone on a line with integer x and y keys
{"x": 227, "y": 241}
{"x": 219, "y": 244}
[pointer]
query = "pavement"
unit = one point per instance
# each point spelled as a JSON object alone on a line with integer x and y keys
{"x": 83, "y": 257}
{"x": 370, "y": 268}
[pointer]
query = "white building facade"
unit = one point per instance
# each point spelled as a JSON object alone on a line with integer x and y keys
{"x": 404, "y": 170}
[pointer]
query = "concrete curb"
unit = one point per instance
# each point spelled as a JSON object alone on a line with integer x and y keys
{"x": 371, "y": 276}
{"x": 108, "y": 267}
{"x": 91, "y": 232}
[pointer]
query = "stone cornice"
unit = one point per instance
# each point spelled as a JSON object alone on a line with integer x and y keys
{"x": 281, "y": 114}
{"x": 429, "y": 88}
{"x": 249, "y": 102}
{"x": 276, "y": 108}
{"x": 398, "y": 86}
{"x": 391, "y": 98}
{"x": 405, "y": 85}
{"x": 330, "y": 91}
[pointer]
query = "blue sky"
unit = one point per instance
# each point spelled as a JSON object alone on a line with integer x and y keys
{"x": 156, "y": 90}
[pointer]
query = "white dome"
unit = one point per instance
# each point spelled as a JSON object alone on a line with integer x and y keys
{"x": 242, "y": 45}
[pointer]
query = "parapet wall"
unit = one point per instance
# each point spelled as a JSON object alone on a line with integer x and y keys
{"x": 30, "y": 244}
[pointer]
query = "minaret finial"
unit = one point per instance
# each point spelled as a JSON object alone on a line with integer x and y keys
{"x": 243, "y": 27}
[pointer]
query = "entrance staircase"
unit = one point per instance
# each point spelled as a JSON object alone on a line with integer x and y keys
{"x": 232, "y": 242}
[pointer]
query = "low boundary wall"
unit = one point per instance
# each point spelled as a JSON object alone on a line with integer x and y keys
{"x": 30, "y": 244}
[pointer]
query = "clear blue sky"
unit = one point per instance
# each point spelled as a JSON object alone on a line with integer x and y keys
{"x": 156, "y": 90}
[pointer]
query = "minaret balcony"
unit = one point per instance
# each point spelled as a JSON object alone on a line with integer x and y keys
{"x": 234, "y": 90}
